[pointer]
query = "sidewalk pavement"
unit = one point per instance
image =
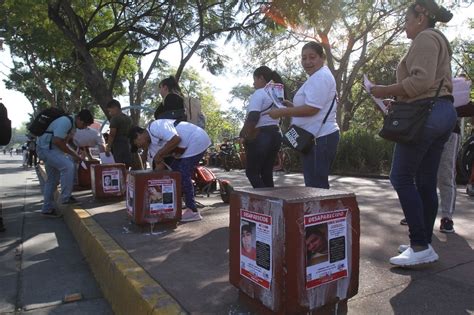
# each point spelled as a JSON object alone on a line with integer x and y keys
{"x": 40, "y": 262}
{"x": 185, "y": 270}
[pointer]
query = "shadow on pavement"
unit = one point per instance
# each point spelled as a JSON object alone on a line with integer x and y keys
{"x": 441, "y": 288}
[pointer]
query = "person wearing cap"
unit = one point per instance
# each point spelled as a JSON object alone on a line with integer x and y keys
{"x": 185, "y": 143}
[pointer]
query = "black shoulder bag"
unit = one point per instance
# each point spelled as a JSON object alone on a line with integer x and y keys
{"x": 404, "y": 122}
{"x": 301, "y": 140}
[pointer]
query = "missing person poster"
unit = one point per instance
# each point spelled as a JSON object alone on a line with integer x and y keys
{"x": 276, "y": 92}
{"x": 326, "y": 247}
{"x": 160, "y": 194}
{"x": 256, "y": 247}
{"x": 111, "y": 181}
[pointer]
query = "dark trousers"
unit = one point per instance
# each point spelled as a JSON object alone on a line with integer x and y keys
{"x": 32, "y": 158}
{"x": 186, "y": 167}
{"x": 261, "y": 154}
{"x": 414, "y": 173}
{"x": 121, "y": 150}
{"x": 317, "y": 162}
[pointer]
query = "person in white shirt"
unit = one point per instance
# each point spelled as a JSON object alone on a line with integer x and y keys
{"x": 314, "y": 103}
{"x": 86, "y": 138}
{"x": 261, "y": 134}
{"x": 186, "y": 142}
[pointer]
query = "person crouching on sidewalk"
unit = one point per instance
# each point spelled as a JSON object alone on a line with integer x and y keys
{"x": 186, "y": 142}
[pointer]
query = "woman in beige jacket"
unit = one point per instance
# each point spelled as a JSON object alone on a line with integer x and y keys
{"x": 425, "y": 68}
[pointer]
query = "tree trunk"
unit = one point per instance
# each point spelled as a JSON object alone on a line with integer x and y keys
{"x": 93, "y": 77}
{"x": 94, "y": 80}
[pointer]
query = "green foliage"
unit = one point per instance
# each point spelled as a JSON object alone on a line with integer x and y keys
{"x": 363, "y": 152}
{"x": 219, "y": 124}
{"x": 353, "y": 34}
{"x": 46, "y": 66}
{"x": 365, "y": 114}
{"x": 216, "y": 127}
{"x": 241, "y": 92}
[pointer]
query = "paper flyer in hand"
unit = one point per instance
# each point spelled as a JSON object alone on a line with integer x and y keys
{"x": 461, "y": 91}
{"x": 104, "y": 159}
{"x": 276, "y": 92}
{"x": 368, "y": 85}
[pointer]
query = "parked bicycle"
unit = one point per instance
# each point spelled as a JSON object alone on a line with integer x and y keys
{"x": 229, "y": 155}
{"x": 283, "y": 162}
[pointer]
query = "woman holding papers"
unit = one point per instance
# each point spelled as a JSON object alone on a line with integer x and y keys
{"x": 262, "y": 137}
{"x": 425, "y": 69}
{"x": 314, "y": 101}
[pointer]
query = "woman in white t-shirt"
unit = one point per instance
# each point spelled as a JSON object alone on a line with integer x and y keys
{"x": 262, "y": 137}
{"x": 186, "y": 142}
{"x": 314, "y": 101}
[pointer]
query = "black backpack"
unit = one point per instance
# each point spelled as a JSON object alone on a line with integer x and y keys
{"x": 44, "y": 119}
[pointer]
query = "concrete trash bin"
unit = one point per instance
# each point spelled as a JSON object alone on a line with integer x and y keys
{"x": 84, "y": 174}
{"x": 108, "y": 180}
{"x": 153, "y": 196}
{"x": 294, "y": 249}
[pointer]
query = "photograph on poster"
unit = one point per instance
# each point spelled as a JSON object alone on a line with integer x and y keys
{"x": 248, "y": 241}
{"x": 110, "y": 180}
{"x": 161, "y": 195}
{"x": 155, "y": 196}
{"x": 107, "y": 180}
{"x": 316, "y": 240}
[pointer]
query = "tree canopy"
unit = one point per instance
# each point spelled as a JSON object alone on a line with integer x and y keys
{"x": 70, "y": 46}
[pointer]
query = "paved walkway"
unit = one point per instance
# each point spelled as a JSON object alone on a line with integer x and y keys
{"x": 186, "y": 269}
{"x": 40, "y": 261}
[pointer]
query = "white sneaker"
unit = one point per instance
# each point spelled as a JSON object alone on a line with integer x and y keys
{"x": 402, "y": 248}
{"x": 189, "y": 216}
{"x": 411, "y": 258}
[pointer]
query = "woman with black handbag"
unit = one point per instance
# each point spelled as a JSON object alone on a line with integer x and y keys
{"x": 425, "y": 71}
{"x": 314, "y": 110}
{"x": 261, "y": 134}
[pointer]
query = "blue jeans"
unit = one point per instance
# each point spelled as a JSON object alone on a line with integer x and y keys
{"x": 317, "y": 163}
{"x": 414, "y": 172}
{"x": 186, "y": 167}
{"x": 261, "y": 154}
{"x": 59, "y": 168}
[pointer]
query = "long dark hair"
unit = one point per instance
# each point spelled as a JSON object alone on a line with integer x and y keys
{"x": 172, "y": 84}
{"x": 431, "y": 10}
{"x": 269, "y": 75}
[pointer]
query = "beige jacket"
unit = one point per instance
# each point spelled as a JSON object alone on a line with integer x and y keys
{"x": 426, "y": 63}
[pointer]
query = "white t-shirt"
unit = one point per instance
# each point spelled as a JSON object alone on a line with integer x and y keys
{"x": 259, "y": 101}
{"x": 87, "y": 138}
{"x": 193, "y": 138}
{"x": 318, "y": 91}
